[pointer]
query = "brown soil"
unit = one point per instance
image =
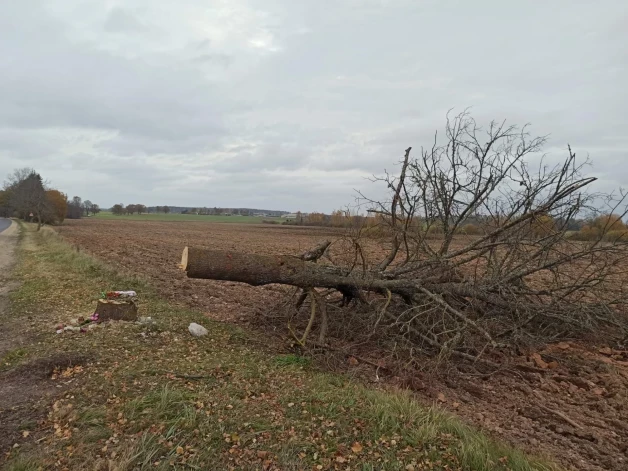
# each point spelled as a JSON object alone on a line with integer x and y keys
{"x": 575, "y": 411}
{"x": 25, "y": 396}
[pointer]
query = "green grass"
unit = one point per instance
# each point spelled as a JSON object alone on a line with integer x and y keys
{"x": 157, "y": 398}
{"x": 292, "y": 360}
{"x": 12, "y": 357}
{"x": 184, "y": 218}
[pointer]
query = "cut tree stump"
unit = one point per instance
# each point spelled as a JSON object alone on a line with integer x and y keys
{"x": 109, "y": 310}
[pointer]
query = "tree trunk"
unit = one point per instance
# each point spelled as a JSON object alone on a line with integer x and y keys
{"x": 259, "y": 270}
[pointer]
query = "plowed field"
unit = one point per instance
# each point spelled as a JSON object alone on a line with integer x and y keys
{"x": 154, "y": 249}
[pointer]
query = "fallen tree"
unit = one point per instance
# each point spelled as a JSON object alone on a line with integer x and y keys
{"x": 258, "y": 270}
{"x": 518, "y": 278}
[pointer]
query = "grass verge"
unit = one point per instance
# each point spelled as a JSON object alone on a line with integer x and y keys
{"x": 153, "y": 397}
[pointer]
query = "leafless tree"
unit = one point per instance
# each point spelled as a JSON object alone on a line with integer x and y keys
{"x": 18, "y": 176}
{"x": 518, "y": 278}
{"x": 521, "y": 275}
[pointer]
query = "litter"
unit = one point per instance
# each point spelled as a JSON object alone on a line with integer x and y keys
{"x": 119, "y": 294}
{"x": 115, "y": 305}
{"x": 71, "y": 328}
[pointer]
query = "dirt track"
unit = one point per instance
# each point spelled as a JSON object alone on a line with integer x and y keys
{"x": 576, "y": 413}
{"x": 8, "y": 240}
{"x": 18, "y": 392}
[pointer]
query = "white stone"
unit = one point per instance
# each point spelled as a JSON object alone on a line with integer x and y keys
{"x": 197, "y": 330}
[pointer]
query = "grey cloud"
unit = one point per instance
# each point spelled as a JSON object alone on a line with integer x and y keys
{"x": 120, "y": 20}
{"x": 292, "y": 104}
{"x": 218, "y": 59}
{"x": 268, "y": 156}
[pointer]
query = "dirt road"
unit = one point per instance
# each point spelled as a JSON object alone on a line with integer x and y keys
{"x": 8, "y": 240}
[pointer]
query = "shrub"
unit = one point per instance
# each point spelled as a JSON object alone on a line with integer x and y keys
{"x": 470, "y": 229}
{"x": 616, "y": 235}
{"x": 609, "y": 222}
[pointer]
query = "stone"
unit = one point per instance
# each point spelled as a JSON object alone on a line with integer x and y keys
{"x": 146, "y": 320}
{"x": 197, "y": 330}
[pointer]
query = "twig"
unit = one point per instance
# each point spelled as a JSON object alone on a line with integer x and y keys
{"x": 349, "y": 354}
{"x": 312, "y": 316}
{"x": 322, "y": 306}
{"x": 383, "y": 311}
{"x": 557, "y": 413}
{"x": 393, "y": 213}
{"x": 435, "y": 344}
{"x": 180, "y": 375}
{"x": 458, "y": 314}
{"x": 190, "y": 377}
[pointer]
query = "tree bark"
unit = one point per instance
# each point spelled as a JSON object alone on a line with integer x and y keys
{"x": 257, "y": 270}
{"x": 317, "y": 252}
{"x": 116, "y": 310}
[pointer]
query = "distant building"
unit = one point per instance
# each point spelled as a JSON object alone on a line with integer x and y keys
{"x": 290, "y": 216}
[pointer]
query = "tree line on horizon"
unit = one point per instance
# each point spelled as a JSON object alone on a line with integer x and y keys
{"x": 120, "y": 209}
{"x": 606, "y": 226}
{"x": 26, "y": 195}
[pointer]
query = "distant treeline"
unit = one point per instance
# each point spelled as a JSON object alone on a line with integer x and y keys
{"x": 121, "y": 209}
{"x": 473, "y": 225}
{"x": 607, "y": 226}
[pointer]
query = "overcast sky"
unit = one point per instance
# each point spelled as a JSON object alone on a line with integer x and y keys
{"x": 291, "y": 104}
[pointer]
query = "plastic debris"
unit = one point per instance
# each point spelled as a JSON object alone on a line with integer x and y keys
{"x": 120, "y": 294}
{"x": 197, "y": 330}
